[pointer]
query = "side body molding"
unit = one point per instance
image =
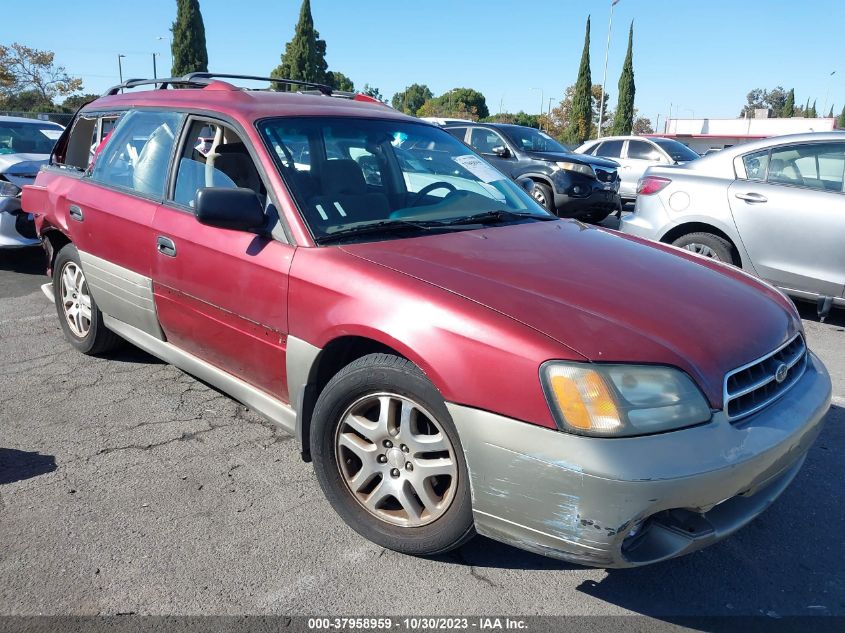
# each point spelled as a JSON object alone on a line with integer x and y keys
{"x": 299, "y": 361}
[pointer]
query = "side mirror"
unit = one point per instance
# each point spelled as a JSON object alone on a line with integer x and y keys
{"x": 527, "y": 184}
{"x": 501, "y": 151}
{"x": 228, "y": 208}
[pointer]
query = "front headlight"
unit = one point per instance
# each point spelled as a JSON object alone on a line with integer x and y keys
{"x": 580, "y": 168}
{"x": 621, "y": 400}
{"x": 8, "y": 190}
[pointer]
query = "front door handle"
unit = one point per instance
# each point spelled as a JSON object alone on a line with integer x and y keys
{"x": 166, "y": 246}
{"x": 752, "y": 197}
{"x": 75, "y": 213}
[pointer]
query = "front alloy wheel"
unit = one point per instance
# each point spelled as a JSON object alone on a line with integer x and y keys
{"x": 396, "y": 460}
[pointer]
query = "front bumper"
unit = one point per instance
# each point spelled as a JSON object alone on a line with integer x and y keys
{"x": 16, "y": 228}
{"x": 599, "y": 200}
{"x": 579, "y": 498}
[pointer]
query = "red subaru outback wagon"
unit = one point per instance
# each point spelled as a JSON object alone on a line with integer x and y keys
{"x": 452, "y": 358}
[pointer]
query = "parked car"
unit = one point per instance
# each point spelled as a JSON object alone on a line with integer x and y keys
{"x": 773, "y": 207}
{"x": 635, "y": 154}
{"x": 25, "y": 146}
{"x": 567, "y": 184}
{"x": 451, "y": 364}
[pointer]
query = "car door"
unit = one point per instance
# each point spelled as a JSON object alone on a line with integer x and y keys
{"x": 789, "y": 208}
{"x": 221, "y": 294}
{"x": 639, "y": 156}
{"x": 110, "y": 210}
{"x": 494, "y": 148}
{"x": 612, "y": 149}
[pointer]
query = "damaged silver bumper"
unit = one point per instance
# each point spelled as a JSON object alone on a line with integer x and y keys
{"x": 11, "y": 222}
{"x": 632, "y": 501}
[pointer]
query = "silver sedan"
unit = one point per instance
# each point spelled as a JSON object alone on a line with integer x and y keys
{"x": 775, "y": 208}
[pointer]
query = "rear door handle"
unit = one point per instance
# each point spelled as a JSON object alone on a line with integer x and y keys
{"x": 752, "y": 197}
{"x": 166, "y": 246}
{"x": 75, "y": 213}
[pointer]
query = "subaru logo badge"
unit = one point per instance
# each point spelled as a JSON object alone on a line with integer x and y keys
{"x": 780, "y": 373}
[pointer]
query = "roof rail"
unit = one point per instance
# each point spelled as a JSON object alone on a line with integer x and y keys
{"x": 322, "y": 88}
{"x": 161, "y": 83}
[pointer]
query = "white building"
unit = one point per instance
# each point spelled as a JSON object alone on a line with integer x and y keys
{"x": 704, "y": 134}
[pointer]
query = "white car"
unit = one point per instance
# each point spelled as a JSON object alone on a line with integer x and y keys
{"x": 635, "y": 154}
{"x": 25, "y": 145}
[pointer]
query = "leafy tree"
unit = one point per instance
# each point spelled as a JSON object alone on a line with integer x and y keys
{"x": 830, "y": 114}
{"x": 411, "y": 98}
{"x": 642, "y": 125}
{"x": 26, "y": 101}
{"x": 445, "y": 109}
{"x": 339, "y": 81}
{"x": 774, "y": 100}
{"x": 813, "y": 113}
{"x": 188, "y": 43}
{"x": 304, "y": 58}
{"x": 807, "y": 109}
{"x": 518, "y": 118}
{"x": 557, "y": 122}
{"x": 24, "y": 69}
{"x": 788, "y": 110}
{"x": 74, "y": 102}
{"x": 840, "y": 122}
{"x": 581, "y": 114}
{"x": 624, "y": 120}
{"x": 372, "y": 91}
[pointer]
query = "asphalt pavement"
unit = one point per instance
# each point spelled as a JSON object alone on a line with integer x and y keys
{"x": 127, "y": 486}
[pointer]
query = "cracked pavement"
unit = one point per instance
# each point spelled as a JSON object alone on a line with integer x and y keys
{"x": 127, "y": 486}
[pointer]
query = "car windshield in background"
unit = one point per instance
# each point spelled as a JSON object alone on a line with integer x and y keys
{"x": 531, "y": 140}
{"x": 27, "y": 138}
{"x": 677, "y": 151}
{"x": 363, "y": 178}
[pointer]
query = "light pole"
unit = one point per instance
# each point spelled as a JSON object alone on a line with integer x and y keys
{"x": 155, "y": 72}
{"x": 827, "y": 94}
{"x": 613, "y": 3}
{"x": 169, "y": 40}
{"x": 120, "y": 68}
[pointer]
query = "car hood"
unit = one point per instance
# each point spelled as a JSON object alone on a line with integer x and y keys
{"x": 20, "y": 169}
{"x": 606, "y": 296}
{"x": 576, "y": 158}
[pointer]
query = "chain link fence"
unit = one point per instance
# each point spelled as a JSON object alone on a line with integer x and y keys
{"x": 63, "y": 118}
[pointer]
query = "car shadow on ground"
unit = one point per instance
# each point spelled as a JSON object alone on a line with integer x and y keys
{"x": 25, "y": 261}
{"x": 809, "y": 312}
{"x": 788, "y": 561}
{"x": 18, "y": 465}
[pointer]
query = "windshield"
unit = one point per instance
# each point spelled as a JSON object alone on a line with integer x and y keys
{"x": 677, "y": 151}
{"x": 530, "y": 140}
{"x": 27, "y": 138}
{"x": 347, "y": 173}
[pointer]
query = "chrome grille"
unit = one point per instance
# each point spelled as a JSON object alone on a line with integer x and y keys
{"x": 753, "y": 386}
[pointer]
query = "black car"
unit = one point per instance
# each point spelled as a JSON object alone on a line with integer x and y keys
{"x": 569, "y": 185}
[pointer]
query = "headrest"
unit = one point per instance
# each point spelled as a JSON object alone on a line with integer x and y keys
{"x": 343, "y": 177}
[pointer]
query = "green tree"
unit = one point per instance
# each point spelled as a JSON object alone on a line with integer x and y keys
{"x": 624, "y": 121}
{"x": 372, "y": 91}
{"x": 304, "y": 58}
{"x": 788, "y": 110}
{"x": 339, "y": 81}
{"x": 516, "y": 118}
{"x": 830, "y": 114}
{"x": 188, "y": 44}
{"x": 642, "y": 125}
{"x": 411, "y": 98}
{"x": 840, "y": 122}
{"x": 813, "y": 113}
{"x": 458, "y": 103}
{"x": 581, "y": 114}
{"x": 29, "y": 70}
{"x": 73, "y": 103}
{"x": 807, "y": 109}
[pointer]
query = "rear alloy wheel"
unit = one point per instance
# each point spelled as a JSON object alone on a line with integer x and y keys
{"x": 388, "y": 457}
{"x": 707, "y": 245}
{"x": 543, "y": 195}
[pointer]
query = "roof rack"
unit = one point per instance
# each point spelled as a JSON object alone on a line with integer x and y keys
{"x": 161, "y": 83}
{"x": 322, "y": 88}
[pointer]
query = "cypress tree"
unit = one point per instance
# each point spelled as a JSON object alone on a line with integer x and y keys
{"x": 830, "y": 114}
{"x": 188, "y": 43}
{"x": 841, "y": 121}
{"x": 581, "y": 115}
{"x": 807, "y": 109}
{"x": 304, "y": 58}
{"x": 813, "y": 113}
{"x": 789, "y": 106}
{"x": 624, "y": 121}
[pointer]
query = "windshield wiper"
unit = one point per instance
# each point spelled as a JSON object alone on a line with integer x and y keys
{"x": 384, "y": 226}
{"x": 500, "y": 215}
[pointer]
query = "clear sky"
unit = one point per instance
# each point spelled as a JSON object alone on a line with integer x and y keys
{"x": 700, "y": 56}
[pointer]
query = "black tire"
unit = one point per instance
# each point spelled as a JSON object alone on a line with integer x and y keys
{"x": 708, "y": 245}
{"x": 376, "y": 374}
{"x": 543, "y": 194}
{"x": 98, "y": 338}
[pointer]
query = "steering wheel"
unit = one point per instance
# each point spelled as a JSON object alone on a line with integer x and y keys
{"x": 433, "y": 187}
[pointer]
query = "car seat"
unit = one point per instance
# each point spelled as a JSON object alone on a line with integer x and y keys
{"x": 344, "y": 197}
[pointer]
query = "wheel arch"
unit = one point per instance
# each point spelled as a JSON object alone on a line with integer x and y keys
{"x": 703, "y": 227}
{"x": 55, "y": 240}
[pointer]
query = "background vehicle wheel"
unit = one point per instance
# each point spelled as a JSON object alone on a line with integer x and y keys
{"x": 543, "y": 194}
{"x": 79, "y": 316}
{"x": 389, "y": 459}
{"x": 707, "y": 244}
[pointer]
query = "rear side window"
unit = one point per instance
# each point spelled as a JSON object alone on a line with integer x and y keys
{"x": 458, "y": 132}
{"x": 610, "y": 149}
{"x": 756, "y": 165}
{"x": 137, "y": 154}
{"x": 640, "y": 150}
